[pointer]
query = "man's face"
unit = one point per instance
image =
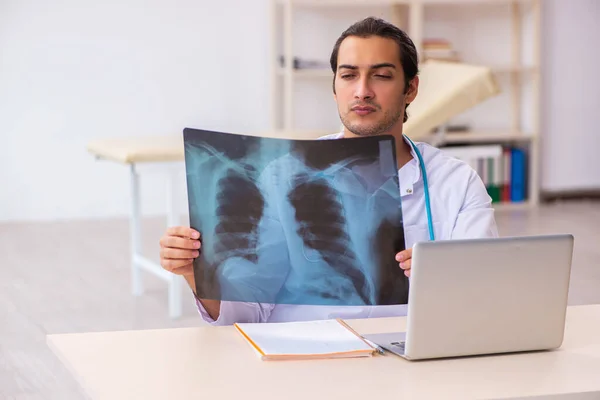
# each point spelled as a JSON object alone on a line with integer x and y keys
{"x": 369, "y": 86}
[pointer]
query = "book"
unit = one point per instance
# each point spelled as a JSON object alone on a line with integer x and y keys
{"x": 304, "y": 340}
{"x": 506, "y": 173}
{"x": 502, "y": 169}
{"x": 439, "y": 50}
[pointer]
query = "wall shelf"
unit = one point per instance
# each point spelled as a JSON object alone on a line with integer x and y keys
{"x": 374, "y": 3}
{"x": 487, "y": 137}
{"x": 307, "y": 73}
{"x": 327, "y": 73}
{"x": 517, "y": 24}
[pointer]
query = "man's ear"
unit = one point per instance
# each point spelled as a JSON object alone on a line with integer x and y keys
{"x": 413, "y": 89}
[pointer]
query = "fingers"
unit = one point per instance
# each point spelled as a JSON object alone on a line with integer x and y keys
{"x": 405, "y": 260}
{"x": 178, "y": 249}
{"x": 404, "y": 255}
{"x": 183, "y": 231}
{"x": 406, "y": 266}
{"x": 179, "y": 243}
{"x": 178, "y": 254}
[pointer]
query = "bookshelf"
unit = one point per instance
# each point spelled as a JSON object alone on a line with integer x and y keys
{"x": 503, "y": 35}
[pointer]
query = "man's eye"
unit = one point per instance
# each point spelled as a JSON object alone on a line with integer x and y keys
{"x": 384, "y": 76}
{"x": 347, "y": 76}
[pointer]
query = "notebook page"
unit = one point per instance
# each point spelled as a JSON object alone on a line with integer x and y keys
{"x": 304, "y": 338}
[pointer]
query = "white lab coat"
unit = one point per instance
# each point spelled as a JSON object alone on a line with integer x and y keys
{"x": 460, "y": 208}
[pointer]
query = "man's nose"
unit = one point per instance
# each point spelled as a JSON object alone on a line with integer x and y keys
{"x": 363, "y": 90}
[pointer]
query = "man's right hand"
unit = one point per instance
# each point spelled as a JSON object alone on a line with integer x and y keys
{"x": 179, "y": 246}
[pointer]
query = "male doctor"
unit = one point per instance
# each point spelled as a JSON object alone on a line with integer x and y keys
{"x": 375, "y": 79}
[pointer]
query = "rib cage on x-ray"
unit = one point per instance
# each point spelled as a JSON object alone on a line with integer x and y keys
{"x": 233, "y": 219}
{"x": 352, "y": 249}
{"x": 322, "y": 226}
{"x": 238, "y": 217}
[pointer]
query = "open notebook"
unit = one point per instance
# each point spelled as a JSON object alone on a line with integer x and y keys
{"x": 304, "y": 340}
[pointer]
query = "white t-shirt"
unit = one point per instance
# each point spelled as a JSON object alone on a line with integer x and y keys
{"x": 460, "y": 208}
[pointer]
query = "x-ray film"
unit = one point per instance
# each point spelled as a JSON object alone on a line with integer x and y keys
{"x": 312, "y": 222}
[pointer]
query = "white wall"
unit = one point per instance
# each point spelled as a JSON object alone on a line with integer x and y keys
{"x": 315, "y": 32}
{"x": 571, "y": 95}
{"x": 72, "y": 71}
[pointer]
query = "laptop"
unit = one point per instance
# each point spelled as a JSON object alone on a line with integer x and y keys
{"x": 484, "y": 296}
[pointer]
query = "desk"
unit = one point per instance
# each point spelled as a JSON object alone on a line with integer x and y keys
{"x": 133, "y": 153}
{"x": 216, "y": 363}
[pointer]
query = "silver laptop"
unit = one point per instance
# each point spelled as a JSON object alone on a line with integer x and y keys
{"x": 484, "y": 296}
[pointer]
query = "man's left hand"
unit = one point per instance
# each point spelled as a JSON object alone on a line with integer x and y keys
{"x": 404, "y": 258}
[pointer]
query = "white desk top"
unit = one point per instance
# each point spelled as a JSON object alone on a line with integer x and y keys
{"x": 216, "y": 363}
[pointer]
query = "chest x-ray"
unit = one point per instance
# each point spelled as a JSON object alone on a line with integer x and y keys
{"x": 314, "y": 222}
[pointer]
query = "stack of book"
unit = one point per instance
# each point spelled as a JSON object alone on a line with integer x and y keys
{"x": 440, "y": 50}
{"x": 503, "y": 169}
{"x": 301, "y": 63}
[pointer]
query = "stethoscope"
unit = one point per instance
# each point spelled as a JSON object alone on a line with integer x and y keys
{"x": 425, "y": 187}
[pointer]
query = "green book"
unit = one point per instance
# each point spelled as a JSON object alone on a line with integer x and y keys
{"x": 493, "y": 186}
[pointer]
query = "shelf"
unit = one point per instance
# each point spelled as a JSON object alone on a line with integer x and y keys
{"x": 511, "y": 69}
{"x": 519, "y": 73}
{"x": 327, "y": 73}
{"x": 507, "y": 69}
{"x": 483, "y": 137}
{"x": 466, "y": 2}
{"x": 327, "y": 3}
{"x": 308, "y": 73}
{"x": 371, "y": 3}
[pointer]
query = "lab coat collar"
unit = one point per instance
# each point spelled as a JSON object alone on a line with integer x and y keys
{"x": 411, "y": 166}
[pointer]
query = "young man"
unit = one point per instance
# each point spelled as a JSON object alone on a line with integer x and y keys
{"x": 375, "y": 79}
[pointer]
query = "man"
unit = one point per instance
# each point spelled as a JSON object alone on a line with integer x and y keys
{"x": 375, "y": 79}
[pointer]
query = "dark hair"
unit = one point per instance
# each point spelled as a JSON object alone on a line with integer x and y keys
{"x": 372, "y": 26}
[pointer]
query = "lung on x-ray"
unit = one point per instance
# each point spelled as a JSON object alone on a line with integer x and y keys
{"x": 311, "y": 222}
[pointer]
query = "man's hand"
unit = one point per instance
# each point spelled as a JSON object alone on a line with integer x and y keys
{"x": 404, "y": 258}
{"x": 178, "y": 248}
